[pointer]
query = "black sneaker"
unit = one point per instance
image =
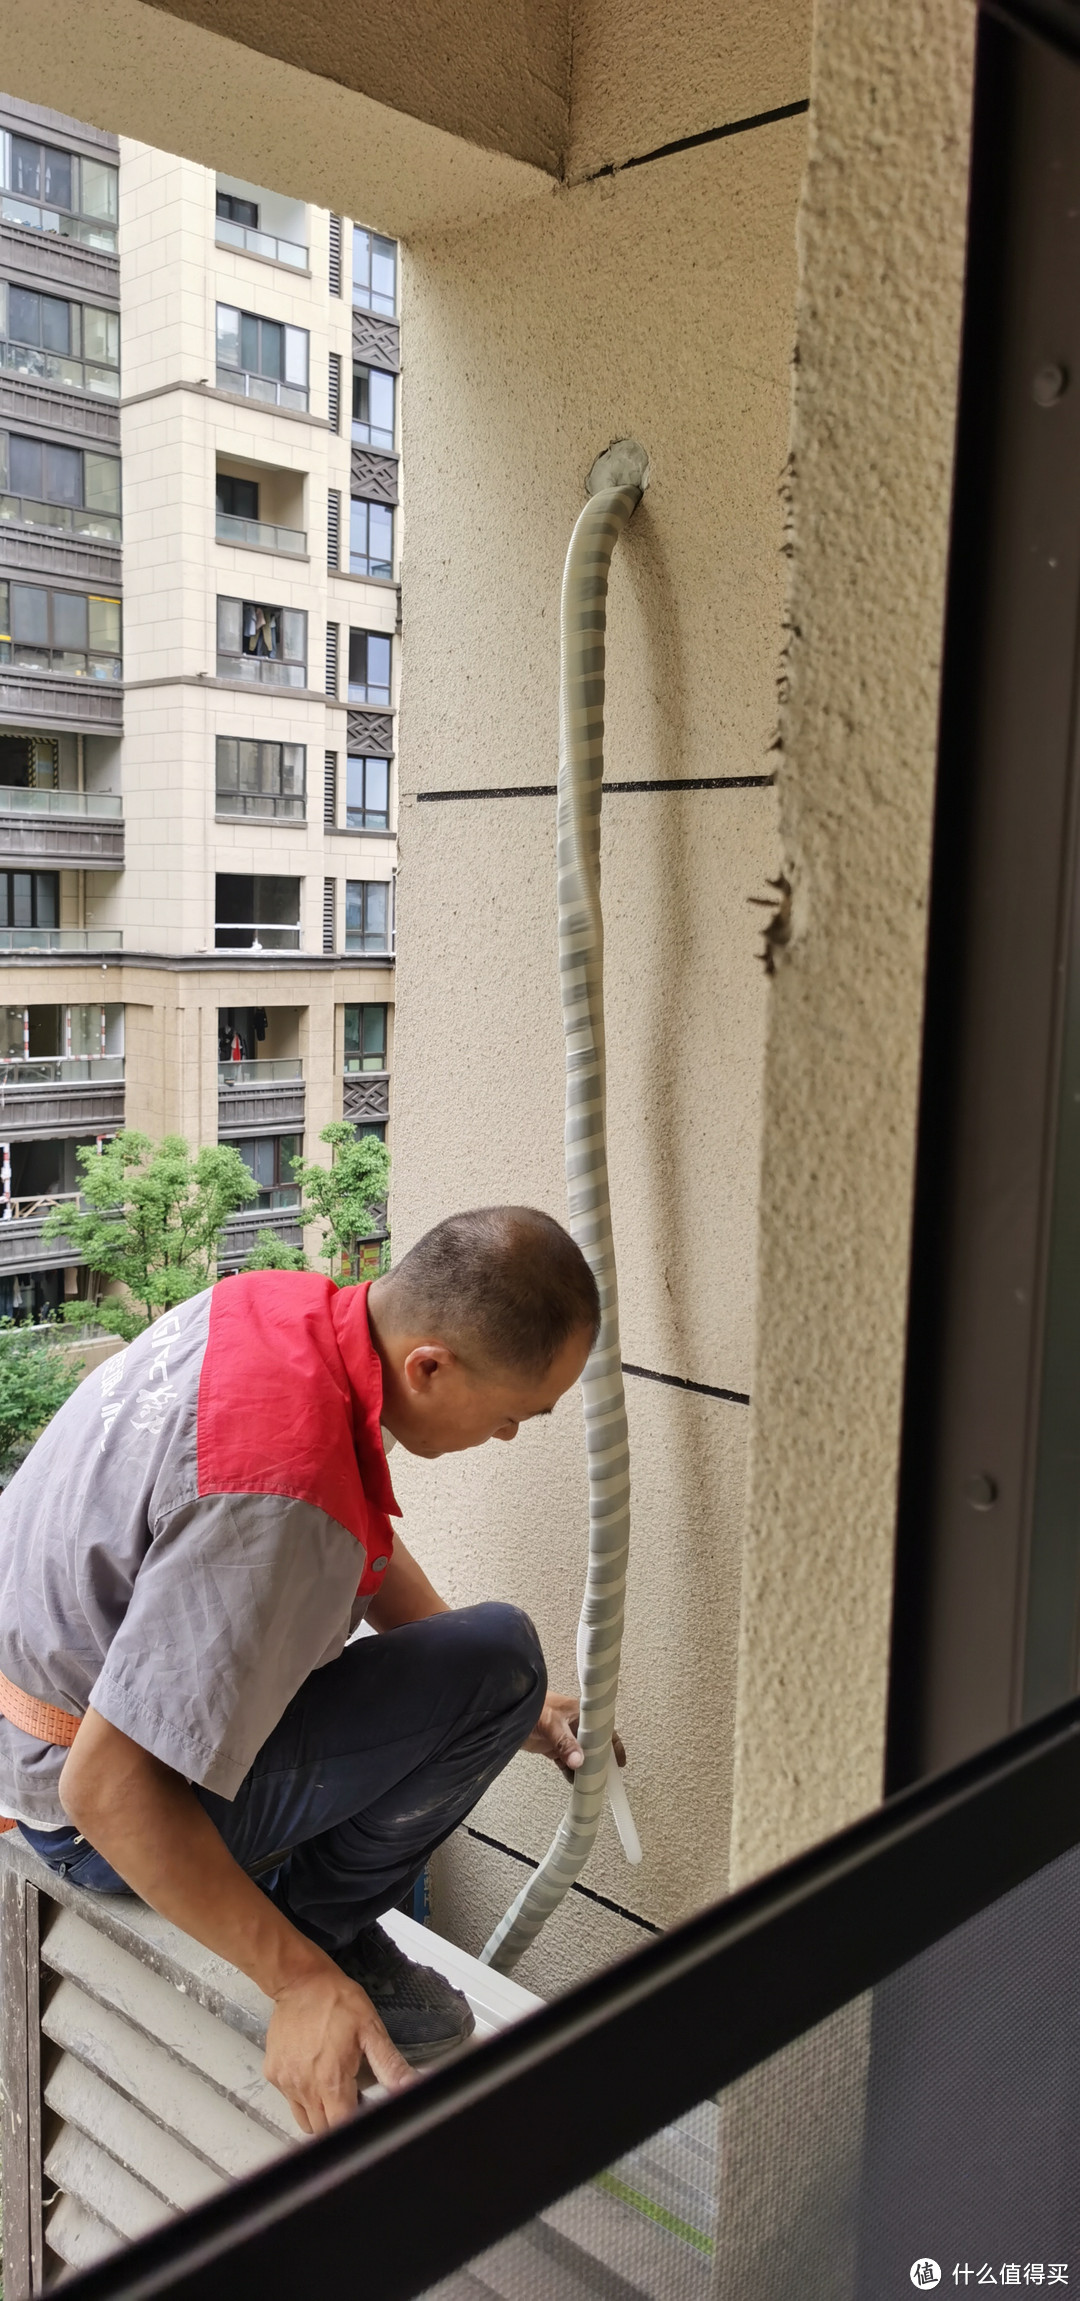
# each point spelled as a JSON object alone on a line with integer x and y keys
{"x": 422, "y": 2013}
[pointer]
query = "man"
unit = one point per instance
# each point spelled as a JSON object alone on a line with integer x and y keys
{"x": 183, "y": 1556}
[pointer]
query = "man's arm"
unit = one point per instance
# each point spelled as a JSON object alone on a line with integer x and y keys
{"x": 146, "y": 1821}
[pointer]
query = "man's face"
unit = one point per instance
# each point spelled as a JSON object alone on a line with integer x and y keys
{"x": 439, "y": 1406}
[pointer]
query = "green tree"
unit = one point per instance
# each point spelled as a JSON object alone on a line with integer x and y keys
{"x": 270, "y": 1252}
{"x": 151, "y": 1214}
{"x": 35, "y": 1379}
{"x": 348, "y": 1197}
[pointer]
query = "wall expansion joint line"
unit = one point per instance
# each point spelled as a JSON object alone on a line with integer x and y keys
{"x": 680, "y": 1382}
{"x": 586, "y": 1892}
{"x": 706, "y": 136}
{"x": 646, "y": 783}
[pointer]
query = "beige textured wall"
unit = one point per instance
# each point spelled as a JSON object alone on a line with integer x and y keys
{"x": 881, "y": 235}
{"x": 658, "y": 302}
{"x": 638, "y": 83}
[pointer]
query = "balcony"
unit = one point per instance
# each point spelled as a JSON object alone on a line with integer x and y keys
{"x": 261, "y": 1097}
{"x": 65, "y": 940}
{"x": 22, "y": 1247}
{"x": 37, "y": 216}
{"x": 267, "y": 806}
{"x": 24, "y": 399}
{"x": 260, "y": 535}
{"x": 48, "y": 551}
{"x": 261, "y": 671}
{"x": 269, "y": 391}
{"x": 238, "y": 1235}
{"x": 250, "y": 242}
{"x": 61, "y": 1095}
{"x": 61, "y": 518}
{"x": 37, "y": 366}
{"x": 92, "y": 271}
{"x": 365, "y": 1098}
{"x": 72, "y": 830}
{"x": 32, "y": 698}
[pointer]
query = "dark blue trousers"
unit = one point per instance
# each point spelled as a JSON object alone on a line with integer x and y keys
{"x": 377, "y": 1758}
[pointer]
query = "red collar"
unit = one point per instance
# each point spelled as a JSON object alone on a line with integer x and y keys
{"x": 352, "y": 1328}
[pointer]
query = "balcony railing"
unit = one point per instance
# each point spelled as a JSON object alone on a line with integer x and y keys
{"x": 62, "y": 938}
{"x": 238, "y": 1235}
{"x": 34, "y": 216}
{"x": 260, "y": 534}
{"x": 61, "y": 518}
{"x": 260, "y": 1070}
{"x": 58, "y": 1070}
{"x": 271, "y": 805}
{"x": 261, "y": 670}
{"x": 255, "y": 243}
{"x": 57, "y": 368}
{"x": 101, "y": 806}
{"x": 36, "y": 1209}
{"x": 268, "y": 389}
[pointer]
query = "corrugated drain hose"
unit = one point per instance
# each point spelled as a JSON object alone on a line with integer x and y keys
{"x": 615, "y": 487}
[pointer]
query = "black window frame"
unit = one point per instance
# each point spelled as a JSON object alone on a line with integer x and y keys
{"x": 365, "y": 562}
{"x": 362, "y": 1058}
{"x": 37, "y": 880}
{"x": 363, "y": 817}
{"x": 83, "y": 519}
{"x": 363, "y": 430}
{"x": 287, "y": 392}
{"x": 268, "y": 799}
{"x": 22, "y": 354}
{"x": 86, "y": 227}
{"x": 364, "y": 691}
{"x": 361, "y": 938}
{"x": 267, "y": 666}
{"x": 98, "y": 662}
{"x": 365, "y": 297}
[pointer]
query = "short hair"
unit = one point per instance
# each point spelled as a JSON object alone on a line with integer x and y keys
{"x": 505, "y": 1286}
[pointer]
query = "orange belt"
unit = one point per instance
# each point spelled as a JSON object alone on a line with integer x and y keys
{"x": 40, "y": 1719}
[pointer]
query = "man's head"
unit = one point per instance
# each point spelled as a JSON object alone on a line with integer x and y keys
{"x": 485, "y": 1323}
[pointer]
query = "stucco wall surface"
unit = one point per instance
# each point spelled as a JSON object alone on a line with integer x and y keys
{"x": 658, "y": 302}
{"x": 714, "y": 64}
{"x": 881, "y": 241}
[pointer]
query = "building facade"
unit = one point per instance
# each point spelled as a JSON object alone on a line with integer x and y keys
{"x": 199, "y": 513}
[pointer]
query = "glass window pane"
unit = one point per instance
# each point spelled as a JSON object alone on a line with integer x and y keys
{"x": 63, "y": 475}
{"x": 69, "y": 619}
{"x": 105, "y": 625}
{"x": 249, "y": 343}
{"x": 226, "y": 763}
{"x": 22, "y": 903}
{"x": 55, "y": 324}
{"x": 294, "y": 634}
{"x": 234, "y": 898}
{"x": 277, "y": 902}
{"x": 25, "y": 167}
{"x": 381, "y": 391}
{"x": 228, "y": 335}
{"x": 381, "y": 539}
{"x": 293, "y": 769}
{"x": 354, "y": 788}
{"x": 361, "y": 395}
{"x": 358, "y": 529}
{"x": 272, "y": 347}
{"x": 352, "y": 1031}
{"x": 378, "y": 655}
{"x": 248, "y": 765}
{"x": 25, "y": 467}
{"x": 384, "y": 267}
{"x": 24, "y": 316}
{"x": 377, "y": 797}
{"x": 228, "y": 626}
{"x": 99, "y": 191}
{"x": 374, "y": 1027}
{"x": 29, "y": 615}
{"x": 56, "y": 177}
{"x": 296, "y": 356}
{"x": 101, "y": 334}
{"x": 361, "y": 258}
{"x": 376, "y": 911}
{"x": 47, "y": 894}
{"x": 102, "y": 482}
{"x": 4, "y": 481}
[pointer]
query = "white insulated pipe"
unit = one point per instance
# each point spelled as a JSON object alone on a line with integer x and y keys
{"x": 615, "y": 486}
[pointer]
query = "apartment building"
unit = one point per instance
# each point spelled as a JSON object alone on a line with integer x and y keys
{"x": 199, "y": 511}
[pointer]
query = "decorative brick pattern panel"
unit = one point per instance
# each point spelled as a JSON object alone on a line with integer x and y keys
{"x": 376, "y": 342}
{"x": 374, "y": 475}
{"x": 371, "y": 734}
{"x": 366, "y": 1095}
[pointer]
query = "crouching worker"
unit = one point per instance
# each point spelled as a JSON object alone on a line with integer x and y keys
{"x": 183, "y": 1555}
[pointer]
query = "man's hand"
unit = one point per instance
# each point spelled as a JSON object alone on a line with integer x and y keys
{"x": 555, "y": 1735}
{"x": 324, "y": 2041}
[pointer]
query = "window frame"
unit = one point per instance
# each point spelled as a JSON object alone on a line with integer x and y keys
{"x": 360, "y": 938}
{"x": 85, "y": 224}
{"x": 98, "y": 375}
{"x": 363, "y": 817}
{"x": 263, "y": 799}
{"x": 365, "y": 691}
{"x": 255, "y": 928}
{"x": 275, "y": 390}
{"x": 266, "y": 669}
{"x": 364, "y": 562}
{"x": 361, "y": 1060}
{"x": 109, "y": 661}
{"x": 82, "y": 518}
{"x": 366, "y": 432}
{"x": 365, "y": 296}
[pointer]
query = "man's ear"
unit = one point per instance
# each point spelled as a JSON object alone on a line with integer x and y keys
{"x": 423, "y": 1365}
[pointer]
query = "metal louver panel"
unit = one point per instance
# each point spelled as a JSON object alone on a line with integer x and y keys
{"x": 330, "y": 791}
{"x": 333, "y": 392}
{"x": 333, "y": 528}
{"x": 329, "y": 910}
{"x": 335, "y": 255}
{"x": 333, "y": 633}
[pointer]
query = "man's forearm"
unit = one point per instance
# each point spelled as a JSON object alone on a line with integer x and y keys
{"x": 146, "y": 1821}
{"x": 406, "y": 1594}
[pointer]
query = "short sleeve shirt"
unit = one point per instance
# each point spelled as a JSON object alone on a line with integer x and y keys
{"x": 201, "y": 1526}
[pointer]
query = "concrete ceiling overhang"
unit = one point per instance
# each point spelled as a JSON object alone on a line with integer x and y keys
{"x": 414, "y": 118}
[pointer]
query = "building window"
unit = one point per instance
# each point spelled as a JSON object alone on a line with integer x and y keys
{"x": 70, "y": 632}
{"x": 237, "y": 498}
{"x": 261, "y": 778}
{"x": 70, "y": 488}
{"x": 373, "y": 407}
{"x": 46, "y": 190}
{"x": 367, "y": 914}
{"x": 237, "y": 211}
{"x": 262, "y": 359}
{"x": 29, "y": 908}
{"x": 256, "y": 642}
{"x": 256, "y": 914}
{"x": 77, "y": 345}
{"x": 269, "y": 1161}
{"x": 365, "y": 1038}
{"x": 369, "y": 667}
{"x": 371, "y": 538}
{"x": 374, "y": 268}
{"x": 367, "y": 794}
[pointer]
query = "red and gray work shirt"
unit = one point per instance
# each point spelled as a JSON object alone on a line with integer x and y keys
{"x": 200, "y": 1527}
